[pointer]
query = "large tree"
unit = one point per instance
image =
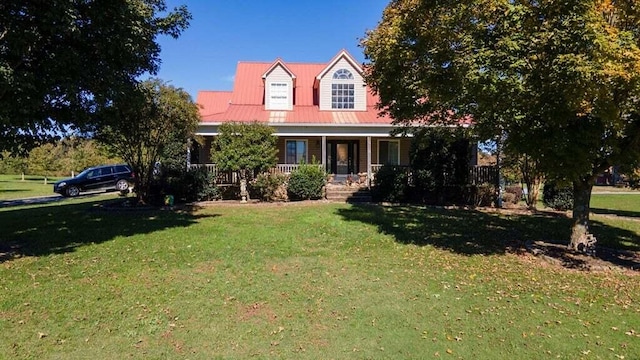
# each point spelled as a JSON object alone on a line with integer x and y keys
{"x": 558, "y": 80}
{"x": 138, "y": 127}
{"x": 61, "y": 60}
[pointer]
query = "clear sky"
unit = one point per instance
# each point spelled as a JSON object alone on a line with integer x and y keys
{"x": 223, "y": 32}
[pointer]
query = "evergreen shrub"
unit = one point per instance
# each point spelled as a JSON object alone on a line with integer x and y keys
{"x": 391, "y": 184}
{"x": 306, "y": 182}
{"x": 558, "y": 197}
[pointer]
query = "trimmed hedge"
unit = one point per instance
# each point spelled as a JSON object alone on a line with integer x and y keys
{"x": 306, "y": 182}
{"x": 391, "y": 184}
{"x": 185, "y": 185}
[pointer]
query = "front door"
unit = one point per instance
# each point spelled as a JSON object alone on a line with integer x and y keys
{"x": 342, "y": 157}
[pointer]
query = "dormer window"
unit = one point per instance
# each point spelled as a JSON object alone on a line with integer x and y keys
{"x": 343, "y": 74}
{"x": 342, "y": 90}
{"x": 279, "y": 83}
{"x": 279, "y": 96}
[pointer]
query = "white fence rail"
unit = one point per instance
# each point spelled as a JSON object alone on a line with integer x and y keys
{"x": 231, "y": 177}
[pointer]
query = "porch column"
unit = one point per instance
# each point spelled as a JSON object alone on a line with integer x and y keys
{"x": 188, "y": 154}
{"x": 324, "y": 153}
{"x": 369, "y": 175}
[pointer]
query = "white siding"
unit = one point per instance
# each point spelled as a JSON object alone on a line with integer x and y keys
{"x": 278, "y": 75}
{"x": 359, "y": 88}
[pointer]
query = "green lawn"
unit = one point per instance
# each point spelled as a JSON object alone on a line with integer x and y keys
{"x": 616, "y": 204}
{"x": 303, "y": 281}
{"x": 12, "y": 186}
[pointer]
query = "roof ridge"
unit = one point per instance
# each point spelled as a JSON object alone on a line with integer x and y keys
{"x": 283, "y": 61}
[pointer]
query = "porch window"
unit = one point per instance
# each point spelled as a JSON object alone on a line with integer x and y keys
{"x": 389, "y": 152}
{"x": 296, "y": 151}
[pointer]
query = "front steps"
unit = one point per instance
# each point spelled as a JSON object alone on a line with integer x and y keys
{"x": 350, "y": 194}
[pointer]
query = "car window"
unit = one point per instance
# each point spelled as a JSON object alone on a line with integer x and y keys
{"x": 93, "y": 173}
{"x": 106, "y": 170}
{"x": 121, "y": 169}
{"x": 84, "y": 173}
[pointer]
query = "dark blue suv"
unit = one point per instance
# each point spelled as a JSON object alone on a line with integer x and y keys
{"x": 119, "y": 177}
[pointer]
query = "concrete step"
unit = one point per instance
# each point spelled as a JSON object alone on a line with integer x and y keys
{"x": 348, "y": 194}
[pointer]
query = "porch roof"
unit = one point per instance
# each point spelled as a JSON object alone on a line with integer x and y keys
{"x": 300, "y": 114}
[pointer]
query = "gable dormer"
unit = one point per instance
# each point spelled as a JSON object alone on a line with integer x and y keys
{"x": 279, "y": 83}
{"x": 341, "y": 85}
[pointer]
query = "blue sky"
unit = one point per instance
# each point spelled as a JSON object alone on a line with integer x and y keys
{"x": 225, "y": 32}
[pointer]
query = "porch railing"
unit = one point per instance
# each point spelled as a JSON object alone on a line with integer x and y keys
{"x": 480, "y": 174}
{"x": 477, "y": 174}
{"x": 222, "y": 177}
{"x": 286, "y": 168}
{"x": 232, "y": 177}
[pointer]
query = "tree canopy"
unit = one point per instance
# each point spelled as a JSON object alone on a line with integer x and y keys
{"x": 140, "y": 126}
{"x": 60, "y": 61}
{"x": 559, "y": 80}
{"x": 245, "y": 147}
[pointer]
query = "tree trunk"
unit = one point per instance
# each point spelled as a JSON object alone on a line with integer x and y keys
{"x": 533, "y": 193}
{"x": 581, "y": 240}
{"x": 533, "y": 179}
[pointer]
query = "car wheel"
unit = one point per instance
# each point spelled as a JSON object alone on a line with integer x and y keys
{"x": 73, "y": 191}
{"x": 122, "y": 185}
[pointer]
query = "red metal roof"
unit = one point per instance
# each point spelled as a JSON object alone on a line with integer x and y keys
{"x": 213, "y": 102}
{"x": 246, "y": 102}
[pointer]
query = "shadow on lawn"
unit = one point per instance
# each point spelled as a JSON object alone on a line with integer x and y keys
{"x": 471, "y": 232}
{"x": 57, "y": 229}
{"x": 623, "y": 213}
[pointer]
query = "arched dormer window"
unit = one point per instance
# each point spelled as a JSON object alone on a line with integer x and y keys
{"x": 343, "y": 74}
{"x": 342, "y": 90}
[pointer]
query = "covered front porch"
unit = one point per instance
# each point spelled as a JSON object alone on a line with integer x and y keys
{"x": 350, "y": 157}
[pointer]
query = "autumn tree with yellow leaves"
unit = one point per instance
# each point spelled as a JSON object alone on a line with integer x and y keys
{"x": 558, "y": 80}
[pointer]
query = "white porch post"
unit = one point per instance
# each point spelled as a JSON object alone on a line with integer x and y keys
{"x": 369, "y": 175}
{"x": 188, "y": 154}
{"x": 324, "y": 152}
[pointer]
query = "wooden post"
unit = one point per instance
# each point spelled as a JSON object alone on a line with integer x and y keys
{"x": 369, "y": 174}
{"x": 324, "y": 153}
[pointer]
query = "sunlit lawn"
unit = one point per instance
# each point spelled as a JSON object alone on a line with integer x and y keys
{"x": 303, "y": 281}
{"x": 627, "y": 204}
{"x": 13, "y": 187}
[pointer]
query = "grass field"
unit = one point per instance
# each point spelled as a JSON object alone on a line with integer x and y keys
{"x": 12, "y": 186}
{"x": 303, "y": 281}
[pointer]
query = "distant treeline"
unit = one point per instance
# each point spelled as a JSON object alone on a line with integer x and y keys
{"x": 63, "y": 158}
